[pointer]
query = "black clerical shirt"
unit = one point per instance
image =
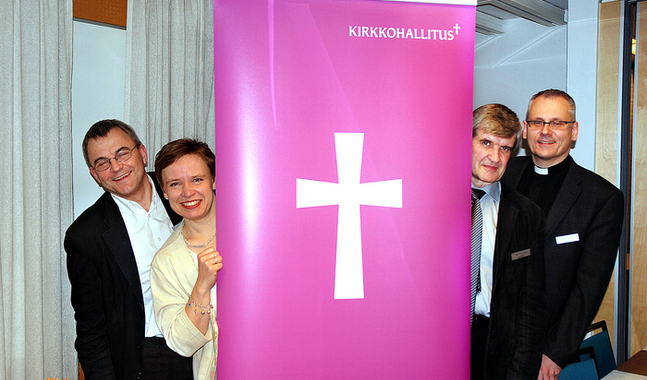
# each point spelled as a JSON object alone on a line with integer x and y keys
{"x": 541, "y": 185}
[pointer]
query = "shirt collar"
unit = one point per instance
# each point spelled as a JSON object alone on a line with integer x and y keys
{"x": 493, "y": 190}
{"x": 564, "y": 165}
{"x": 133, "y": 207}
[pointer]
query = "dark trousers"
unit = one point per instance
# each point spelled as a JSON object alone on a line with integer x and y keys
{"x": 162, "y": 363}
{"x": 479, "y": 334}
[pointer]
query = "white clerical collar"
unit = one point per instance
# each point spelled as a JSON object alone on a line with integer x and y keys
{"x": 541, "y": 171}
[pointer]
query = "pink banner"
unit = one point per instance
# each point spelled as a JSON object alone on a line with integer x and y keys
{"x": 343, "y": 144}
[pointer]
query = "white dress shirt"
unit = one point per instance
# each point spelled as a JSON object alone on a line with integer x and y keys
{"x": 490, "y": 209}
{"x": 147, "y": 230}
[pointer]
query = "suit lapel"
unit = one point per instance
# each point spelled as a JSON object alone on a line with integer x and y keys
{"x": 514, "y": 171}
{"x": 506, "y": 220}
{"x": 566, "y": 197}
{"x": 118, "y": 241}
{"x": 116, "y": 237}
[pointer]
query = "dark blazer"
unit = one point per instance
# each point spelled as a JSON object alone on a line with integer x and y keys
{"x": 590, "y": 211}
{"x": 517, "y": 320}
{"x": 106, "y": 292}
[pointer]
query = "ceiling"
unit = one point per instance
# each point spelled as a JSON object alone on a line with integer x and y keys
{"x": 490, "y": 14}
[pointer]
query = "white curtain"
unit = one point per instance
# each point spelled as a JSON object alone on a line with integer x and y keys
{"x": 36, "y": 320}
{"x": 169, "y": 71}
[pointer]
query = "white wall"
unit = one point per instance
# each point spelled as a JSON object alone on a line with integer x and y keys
{"x": 528, "y": 58}
{"x": 511, "y": 67}
{"x": 582, "y": 75}
{"x": 98, "y": 90}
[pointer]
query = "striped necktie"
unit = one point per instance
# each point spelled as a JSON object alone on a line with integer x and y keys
{"x": 477, "y": 231}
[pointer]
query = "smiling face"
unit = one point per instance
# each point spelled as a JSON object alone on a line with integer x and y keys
{"x": 490, "y": 156}
{"x": 188, "y": 185}
{"x": 127, "y": 179}
{"x": 549, "y": 146}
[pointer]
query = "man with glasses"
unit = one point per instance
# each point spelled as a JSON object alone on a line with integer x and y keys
{"x": 584, "y": 215}
{"x": 109, "y": 251}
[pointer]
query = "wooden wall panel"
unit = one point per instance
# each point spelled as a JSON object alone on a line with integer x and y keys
{"x": 111, "y": 12}
{"x": 638, "y": 286}
{"x": 606, "y": 154}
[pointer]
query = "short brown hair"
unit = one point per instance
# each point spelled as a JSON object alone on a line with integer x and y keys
{"x": 172, "y": 151}
{"x": 553, "y": 93}
{"x": 497, "y": 120}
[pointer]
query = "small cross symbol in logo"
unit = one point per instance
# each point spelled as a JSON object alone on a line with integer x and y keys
{"x": 349, "y": 194}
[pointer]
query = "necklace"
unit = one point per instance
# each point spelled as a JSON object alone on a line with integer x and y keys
{"x": 195, "y": 245}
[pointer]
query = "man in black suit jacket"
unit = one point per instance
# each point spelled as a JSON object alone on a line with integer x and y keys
{"x": 108, "y": 262}
{"x": 508, "y": 321}
{"x": 584, "y": 216}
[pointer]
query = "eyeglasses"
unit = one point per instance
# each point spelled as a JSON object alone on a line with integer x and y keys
{"x": 554, "y": 124}
{"x": 122, "y": 155}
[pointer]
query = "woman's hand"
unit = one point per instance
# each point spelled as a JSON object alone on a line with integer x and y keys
{"x": 209, "y": 263}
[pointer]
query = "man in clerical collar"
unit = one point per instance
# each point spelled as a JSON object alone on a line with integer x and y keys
{"x": 508, "y": 292}
{"x": 584, "y": 215}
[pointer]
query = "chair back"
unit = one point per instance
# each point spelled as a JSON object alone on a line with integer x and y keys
{"x": 601, "y": 344}
{"x": 584, "y": 370}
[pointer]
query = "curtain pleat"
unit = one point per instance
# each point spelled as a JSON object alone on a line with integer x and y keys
{"x": 169, "y": 95}
{"x": 36, "y": 321}
{"x": 169, "y": 71}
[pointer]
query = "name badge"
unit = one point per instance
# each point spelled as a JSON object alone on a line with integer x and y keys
{"x": 521, "y": 254}
{"x": 572, "y": 238}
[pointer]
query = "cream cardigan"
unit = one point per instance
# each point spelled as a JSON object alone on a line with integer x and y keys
{"x": 173, "y": 275}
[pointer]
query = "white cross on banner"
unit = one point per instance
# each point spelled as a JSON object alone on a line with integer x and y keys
{"x": 344, "y": 162}
{"x": 349, "y": 194}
